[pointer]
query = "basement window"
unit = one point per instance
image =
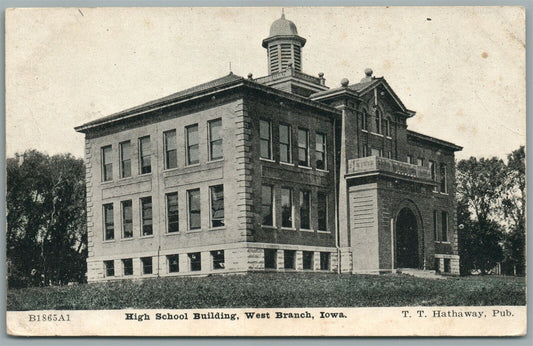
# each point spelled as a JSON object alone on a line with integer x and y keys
{"x": 325, "y": 261}
{"x": 308, "y": 257}
{"x": 195, "y": 260}
{"x": 173, "y": 263}
{"x": 127, "y": 264}
{"x": 147, "y": 265}
{"x": 218, "y": 259}
{"x": 109, "y": 268}
{"x": 447, "y": 265}
{"x": 289, "y": 260}
{"x": 270, "y": 259}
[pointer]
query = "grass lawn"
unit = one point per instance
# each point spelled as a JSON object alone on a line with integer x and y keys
{"x": 265, "y": 290}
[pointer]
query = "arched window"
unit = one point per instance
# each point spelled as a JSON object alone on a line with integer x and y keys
{"x": 378, "y": 121}
{"x": 386, "y": 127}
{"x": 364, "y": 120}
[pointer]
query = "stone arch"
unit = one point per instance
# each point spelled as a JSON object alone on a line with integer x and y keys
{"x": 411, "y": 206}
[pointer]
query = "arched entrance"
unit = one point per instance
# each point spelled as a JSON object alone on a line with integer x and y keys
{"x": 406, "y": 240}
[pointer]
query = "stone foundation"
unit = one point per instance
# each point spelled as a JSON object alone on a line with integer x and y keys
{"x": 238, "y": 258}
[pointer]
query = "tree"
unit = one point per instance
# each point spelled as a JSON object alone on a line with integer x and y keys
{"x": 479, "y": 190}
{"x": 514, "y": 211}
{"x": 46, "y": 232}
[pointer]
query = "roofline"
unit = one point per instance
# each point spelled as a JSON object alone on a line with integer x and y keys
{"x": 358, "y": 93}
{"x": 434, "y": 140}
{"x": 381, "y": 80}
{"x": 325, "y": 94}
{"x": 202, "y": 93}
{"x": 284, "y": 37}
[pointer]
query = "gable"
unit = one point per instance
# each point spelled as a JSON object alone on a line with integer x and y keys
{"x": 381, "y": 92}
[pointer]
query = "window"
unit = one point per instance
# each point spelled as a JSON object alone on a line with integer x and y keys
{"x": 215, "y": 139}
{"x": 322, "y": 205}
{"x": 447, "y": 262}
{"x": 325, "y": 261}
{"x": 378, "y": 121}
{"x": 265, "y": 139}
{"x": 107, "y": 164}
{"x": 109, "y": 268}
{"x": 285, "y": 143}
{"x": 171, "y": 149}
{"x": 267, "y": 210}
{"x": 173, "y": 263}
{"x": 305, "y": 212}
{"x": 125, "y": 159}
{"x": 420, "y": 161}
{"x": 435, "y": 226}
{"x": 195, "y": 259}
{"x": 364, "y": 121}
{"x": 127, "y": 264}
{"x": 307, "y": 258}
{"x": 389, "y": 154}
{"x": 410, "y": 159}
{"x": 194, "y": 209}
{"x": 320, "y": 151}
{"x": 127, "y": 220}
{"x": 376, "y": 152}
{"x": 433, "y": 170}
{"x": 192, "y": 144}
{"x": 303, "y": 147}
{"x": 365, "y": 151}
{"x": 146, "y": 215}
{"x": 217, "y": 206}
{"x": 271, "y": 258}
{"x": 109, "y": 223}
{"x": 290, "y": 256}
{"x": 386, "y": 127}
{"x": 443, "y": 184}
{"x": 444, "y": 221}
{"x": 286, "y": 207}
{"x": 218, "y": 259}
{"x": 145, "y": 155}
{"x": 172, "y": 213}
{"x": 147, "y": 265}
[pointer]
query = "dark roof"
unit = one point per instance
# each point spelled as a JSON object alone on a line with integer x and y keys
{"x": 359, "y": 89}
{"x": 433, "y": 140}
{"x": 216, "y": 85}
{"x": 363, "y": 85}
{"x": 220, "y": 82}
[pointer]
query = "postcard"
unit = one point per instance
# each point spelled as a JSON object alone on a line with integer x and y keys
{"x": 299, "y": 171}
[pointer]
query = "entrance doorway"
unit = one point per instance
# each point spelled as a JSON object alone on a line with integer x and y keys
{"x": 406, "y": 240}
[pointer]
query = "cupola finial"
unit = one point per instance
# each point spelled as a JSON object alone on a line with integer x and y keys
{"x": 282, "y": 13}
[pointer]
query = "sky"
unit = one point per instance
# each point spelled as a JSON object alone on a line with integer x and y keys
{"x": 462, "y": 69}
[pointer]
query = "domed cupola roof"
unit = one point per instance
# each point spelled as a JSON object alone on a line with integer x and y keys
{"x": 283, "y": 27}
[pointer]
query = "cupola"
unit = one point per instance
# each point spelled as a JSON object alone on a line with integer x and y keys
{"x": 283, "y": 46}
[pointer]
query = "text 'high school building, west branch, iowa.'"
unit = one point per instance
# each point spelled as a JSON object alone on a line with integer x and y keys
{"x": 277, "y": 173}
